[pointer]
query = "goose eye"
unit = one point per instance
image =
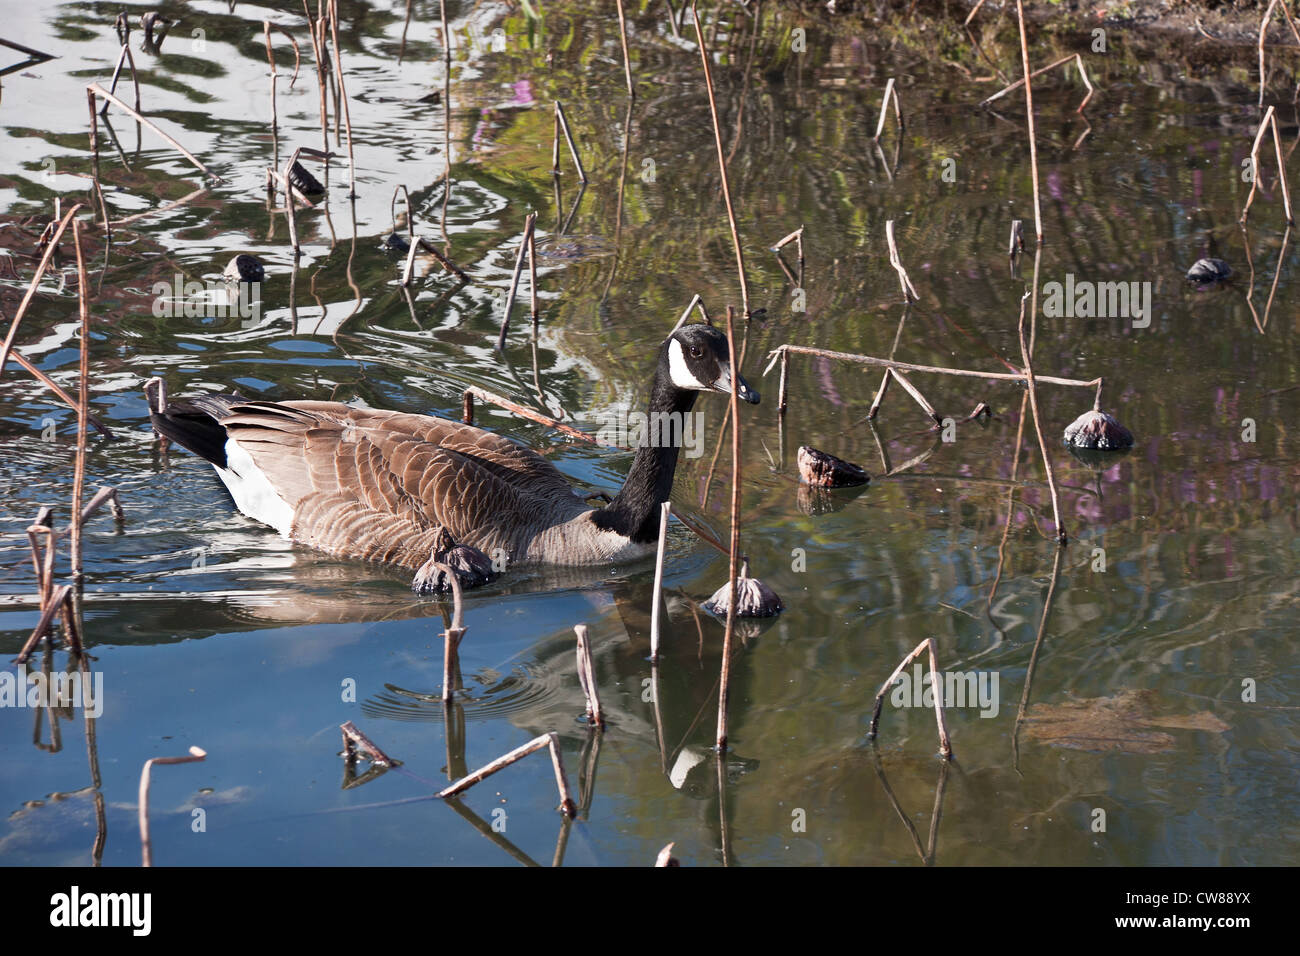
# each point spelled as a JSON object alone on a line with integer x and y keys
{"x": 696, "y": 351}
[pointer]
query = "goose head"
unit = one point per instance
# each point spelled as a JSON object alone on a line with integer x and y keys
{"x": 695, "y": 358}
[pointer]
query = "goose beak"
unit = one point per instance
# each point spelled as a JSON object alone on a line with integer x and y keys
{"x": 743, "y": 391}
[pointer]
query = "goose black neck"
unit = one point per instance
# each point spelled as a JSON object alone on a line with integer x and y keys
{"x": 634, "y": 512}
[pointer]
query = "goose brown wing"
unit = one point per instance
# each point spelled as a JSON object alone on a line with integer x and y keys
{"x": 347, "y": 471}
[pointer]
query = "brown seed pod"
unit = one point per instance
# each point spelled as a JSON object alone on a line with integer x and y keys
{"x": 823, "y": 470}
{"x": 753, "y": 597}
{"x": 1098, "y": 430}
{"x": 470, "y": 565}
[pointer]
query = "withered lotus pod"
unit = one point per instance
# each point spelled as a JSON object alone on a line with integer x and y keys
{"x": 1206, "y": 271}
{"x": 753, "y": 597}
{"x": 1098, "y": 430}
{"x": 470, "y": 565}
{"x": 823, "y": 470}
{"x": 303, "y": 181}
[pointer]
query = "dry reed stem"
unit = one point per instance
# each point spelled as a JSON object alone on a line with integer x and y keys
{"x": 1038, "y": 426}
{"x": 354, "y": 740}
{"x": 665, "y": 512}
{"x": 587, "y": 677}
{"x": 891, "y": 95}
{"x": 483, "y": 395}
{"x": 696, "y": 302}
{"x": 124, "y": 57}
{"x": 289, "y": 200}
{"x": 1029, "y": 112}
{"x": 563, "y": 123}
{"x": 627, "y": 62}
{"x": 733, "y": 559}
{"x": 452, "y": 636}
{"x": 780, "y": 350}
{"x": 83, "y": 399}
{"x": 1083, "y": 73}
{"x": 1017, "y": 241}
{"x": 905, "y": 283}
{"x": 722, "y": 164}
{"x": 96, "y": 90}
{"x": 53, "y": 244}
{"x": 146, "y": 848}
{"x": 443, "y": 261}
{"x": 532, "y": 273}
{"x": 550, "y": 740}
{"x": 318, "y": 59}
{"x": 665, "y": 857}
{"x": 343, "y": 95}
{"x": 529, "y": 225}
{"x": 936, "y": 688}
{"x": 1268, "y": 122}
{"x": 57, "y": 597}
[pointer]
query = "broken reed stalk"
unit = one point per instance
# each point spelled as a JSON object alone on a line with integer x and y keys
{"x": 696, "y": 302}
{"x": 665, "y": 512}
{"x": 83, "y": 402}
{"x": 666, "y": 858}
{"x": 146, "y": 848}
{"x": 971, "y": 16}
{"x": 1017, "y": 241}
{"x": 318, "y": 58}
{"x": 910, "y": 389}
{"x": 891, "y": 95}
{"x": 529, "y": 225}
{"x": 485, "y": 396}
{"x": 785, "y": 375}
{"x": 50, "y": 247}
{"x": 94, "y": 89}
{"x": 1268, "y": 122}
{"x": 722, "y": 163}
{"x": 562, "y": 125}
{"x": 627, "y": 63}
{"x": 452, "y": 636}
{"x": 355, "y": 741}
{"x": 443, "y": 261}
{"x": 733, "y": 559}
{"x": 905, "y": 283}
{"x": 1029, "y": 112}
{"x": 1038, "y": 425}
{"x": 343, "y": 95}
{"x": 1263, "y": 32}
{"x": 287, "y": 184}
{"x": 124, "y": 57}
{"x": 795, "y": 237}
{"x": 781, "y": 350}
{"x": 936, "y": 688}
{"x": 587, "y": 677}
{"x": 550, "y": 740}
{"x": 532, "y": 274}
{"x": 1083, "y": 73}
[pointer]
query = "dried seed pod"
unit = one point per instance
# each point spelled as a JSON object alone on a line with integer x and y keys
{"x": 1098, "y": 430}
{"x": 244, "y": 268}
{"x": 1207, "y": 271}
{"x": 753, "y": 597}
{"x": 823, "y": 470}
{"x": 303, "y": 181}
{"x": 470, "y": 565}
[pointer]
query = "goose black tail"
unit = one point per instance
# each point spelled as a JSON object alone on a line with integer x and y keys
{"x": 193, "y": 424}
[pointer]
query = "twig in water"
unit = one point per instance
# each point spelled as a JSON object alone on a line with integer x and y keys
{"x": 627, "y": 63}
{"x": 665, "y": 512}
{"x": 354, "y": 742}
{"x": 343, "y": 95}
{"x": 722, "y": 164}
{"x": 1017, "y": 241}
{"x": 452, "y": 636}
{"x": 696, "y": 302}
{"x": 587, "y": 678}
{"x": 562, "y": 124}
{"x": 485, "y": 396}
{"x": 529, "y": 224}
{"x": 1268, "y": 122}
{"x": 891, "y": 95}
{"x": 909, "y": 292}
{"x": 1029, "y": 111}
{"x": 83, "y": 400}
{"x": 734, "y": 551}
{"x": 1263, "y": 33}
{"x": 550, "y": 740}
{"x": 146, "y": 848}
{"x": 936, "y": 688}
{"x": 96, "y": 90}
{"x": 1038, "y": 426}
{"x": 1083, "y": 73}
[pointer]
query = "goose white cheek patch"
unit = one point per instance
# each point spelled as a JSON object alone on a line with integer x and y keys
{"x": 677, "y": 368}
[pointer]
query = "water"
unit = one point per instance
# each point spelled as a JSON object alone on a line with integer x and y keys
{"x": 211, "y": 631}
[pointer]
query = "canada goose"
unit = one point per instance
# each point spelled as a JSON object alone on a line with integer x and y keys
{"x": 381, "y": 485}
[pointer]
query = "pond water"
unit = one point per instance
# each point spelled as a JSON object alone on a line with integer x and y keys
{"x": 1153, "y": 657}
